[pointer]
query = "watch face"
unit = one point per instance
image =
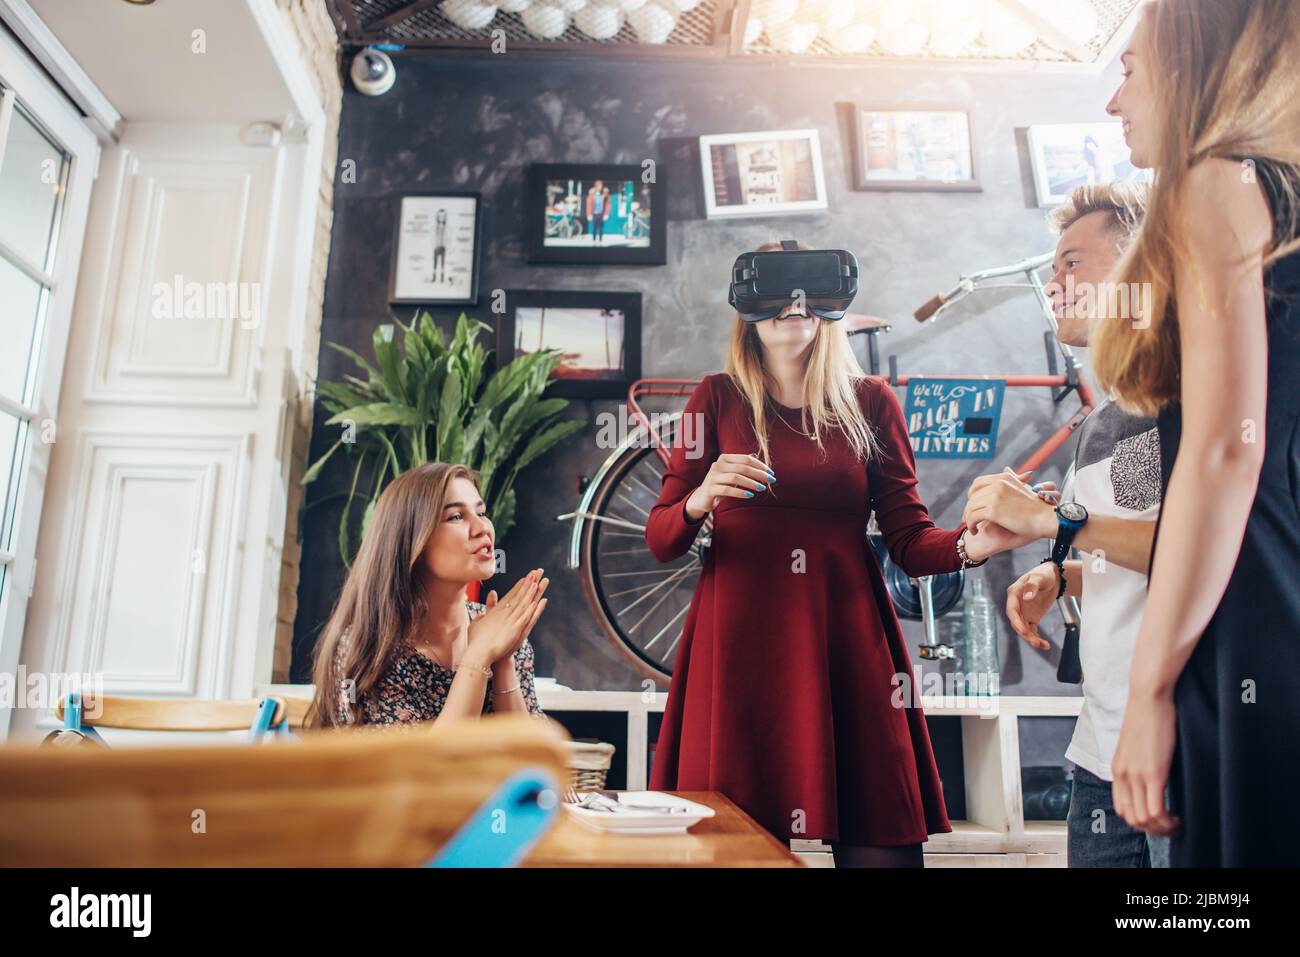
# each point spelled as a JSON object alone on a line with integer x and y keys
{"x": 1072, "y": 512}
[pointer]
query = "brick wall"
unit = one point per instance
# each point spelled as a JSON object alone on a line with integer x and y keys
{"x": 310, "y": 23}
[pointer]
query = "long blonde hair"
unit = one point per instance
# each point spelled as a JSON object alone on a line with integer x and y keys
{"x": 830, "y": 383}
{"x": 383, "y": 599}
{"x": 1224, "y": 78}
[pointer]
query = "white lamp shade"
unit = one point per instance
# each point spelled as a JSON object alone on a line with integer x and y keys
{"x": 1005, "y": 33}
{"x": 792, "y": 36}
{"x": 772, "y": 12}
{"x": 954, "y": 25}
{"x": 829, "y": 15}
{"x": 855, "y": 37}
{"x": 904, "y": 40}
{"x": 941, "y": 15}
{"x": 652, "y": 23}
{"x": 887, "y": 14}
{"x": 1077, "y": 19}
{"x": 598, "y": 22}
{"x": 952, "y": 39}
{"x": 545, "y": 21}
{"x": 468, "y": 14}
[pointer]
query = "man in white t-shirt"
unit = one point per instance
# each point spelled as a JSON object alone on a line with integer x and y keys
{"x": 1116, "y": 478}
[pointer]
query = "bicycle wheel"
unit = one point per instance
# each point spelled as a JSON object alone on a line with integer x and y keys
{"x": 639, "y": 603}
{"x": 946, "y": 588}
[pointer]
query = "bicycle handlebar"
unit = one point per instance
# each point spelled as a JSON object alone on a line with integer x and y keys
{"x": 929, "y": 309}
{"x": 967, "y": 284}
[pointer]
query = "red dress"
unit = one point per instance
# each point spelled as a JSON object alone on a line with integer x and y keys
{"x": 781, "y": 696}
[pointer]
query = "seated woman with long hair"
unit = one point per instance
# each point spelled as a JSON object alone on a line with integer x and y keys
{"x": 403, "y": 644}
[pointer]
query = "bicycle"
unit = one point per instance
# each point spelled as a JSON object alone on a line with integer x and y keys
{"x": 639, "y": 603}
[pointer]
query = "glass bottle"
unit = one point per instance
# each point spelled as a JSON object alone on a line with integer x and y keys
{"x": 979, "y": 639}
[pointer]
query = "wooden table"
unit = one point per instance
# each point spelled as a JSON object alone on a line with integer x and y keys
{"x": 730, "y": 838}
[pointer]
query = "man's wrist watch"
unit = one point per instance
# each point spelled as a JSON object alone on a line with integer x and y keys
{"x": 1070, "y": 517}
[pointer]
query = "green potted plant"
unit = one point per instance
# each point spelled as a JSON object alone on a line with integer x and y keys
{"x": 424, "y": 400}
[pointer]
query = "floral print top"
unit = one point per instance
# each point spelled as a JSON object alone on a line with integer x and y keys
{"x": 415, "y": 687}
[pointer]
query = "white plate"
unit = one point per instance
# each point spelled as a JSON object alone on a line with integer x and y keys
{"x": 641, "y": 822}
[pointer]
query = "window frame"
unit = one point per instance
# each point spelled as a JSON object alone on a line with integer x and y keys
{"x": 27, "y": 88}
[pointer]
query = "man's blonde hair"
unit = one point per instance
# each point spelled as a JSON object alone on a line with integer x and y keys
{"x": 1124, "y": 202}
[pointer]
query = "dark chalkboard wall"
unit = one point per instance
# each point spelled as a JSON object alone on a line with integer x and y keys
{"x": 475, "y": 121}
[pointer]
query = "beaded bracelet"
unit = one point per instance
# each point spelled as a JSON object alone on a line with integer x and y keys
{"x": 961, "y": 553}
{"x": 485, "y": 672}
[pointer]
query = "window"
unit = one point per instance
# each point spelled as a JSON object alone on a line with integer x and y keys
{"x": 48, "y": 158}
{"x": 33, "y": 183}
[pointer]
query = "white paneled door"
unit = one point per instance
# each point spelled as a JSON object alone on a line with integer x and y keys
{"x": 48, "y": 157}
{"x": 161, "y": 545}
{"x": 144, "y": 429}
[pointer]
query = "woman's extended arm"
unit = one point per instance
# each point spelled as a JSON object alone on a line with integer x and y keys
{"x": 914, "y": 542}
{"x": 1224, "y": 393}
{"x": 668, "y": 532}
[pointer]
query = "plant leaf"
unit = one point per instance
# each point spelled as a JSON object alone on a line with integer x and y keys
{"x": 389, "y": 359}
{"x": 546, "y": 438}
{"x": 377, "y": 413}
{"x": 311, "y": 474}
{"x": 503, "y": 514}
{"x": 448, "y": 415}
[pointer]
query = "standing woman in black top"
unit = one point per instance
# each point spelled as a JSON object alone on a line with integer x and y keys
{"x": 1211, "y": 102}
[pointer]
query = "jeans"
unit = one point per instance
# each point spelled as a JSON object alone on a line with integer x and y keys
{"x": 1098, "y": 837}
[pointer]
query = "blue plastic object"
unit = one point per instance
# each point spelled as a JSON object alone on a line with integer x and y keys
{"x": 504, "y": 828}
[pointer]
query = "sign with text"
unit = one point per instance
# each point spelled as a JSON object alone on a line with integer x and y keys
{"x": 953, "y": 418}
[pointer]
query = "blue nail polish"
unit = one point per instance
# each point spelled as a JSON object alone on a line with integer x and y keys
{"x": 771, "y": 476}
{"x": 750, "y": 494}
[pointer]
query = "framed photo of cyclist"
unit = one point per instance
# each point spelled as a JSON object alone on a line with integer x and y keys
{"x": 596, "y": 214}
{"x": 597, "y": 333}
{"x": 1066, "y": 155}
{"x": 923, "y": 147}
{"x": 436, "y": 249}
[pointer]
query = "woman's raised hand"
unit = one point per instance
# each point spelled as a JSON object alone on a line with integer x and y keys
{"x": 732, "y": 475}
{"x": 501, "y": 630}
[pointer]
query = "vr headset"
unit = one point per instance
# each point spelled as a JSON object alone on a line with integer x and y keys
{"x": 764, "y": 284}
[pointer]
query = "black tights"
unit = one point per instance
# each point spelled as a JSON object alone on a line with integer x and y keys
{"x": 866, "y": 855}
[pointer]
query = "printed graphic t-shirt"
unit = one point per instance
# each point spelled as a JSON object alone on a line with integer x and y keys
{"x": 1116, "y": 473}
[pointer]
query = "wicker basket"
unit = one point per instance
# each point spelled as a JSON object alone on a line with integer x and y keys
{"x": 588, "y": 763}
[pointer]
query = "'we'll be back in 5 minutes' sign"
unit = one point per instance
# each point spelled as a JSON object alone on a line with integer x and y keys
{"x": 953, "y": 418}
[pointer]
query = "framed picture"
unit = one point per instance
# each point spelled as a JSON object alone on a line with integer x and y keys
{"x": 762, "y": 174}
{"x": 924, "y": 147}
{"x": 1066, "y": 155}
{"x": 599, "y": 334}
{"x": 436, "y": 249}
{"x": 595, "y": 214}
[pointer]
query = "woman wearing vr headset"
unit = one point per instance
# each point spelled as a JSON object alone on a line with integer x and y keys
{"x": 785, "y": 693}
